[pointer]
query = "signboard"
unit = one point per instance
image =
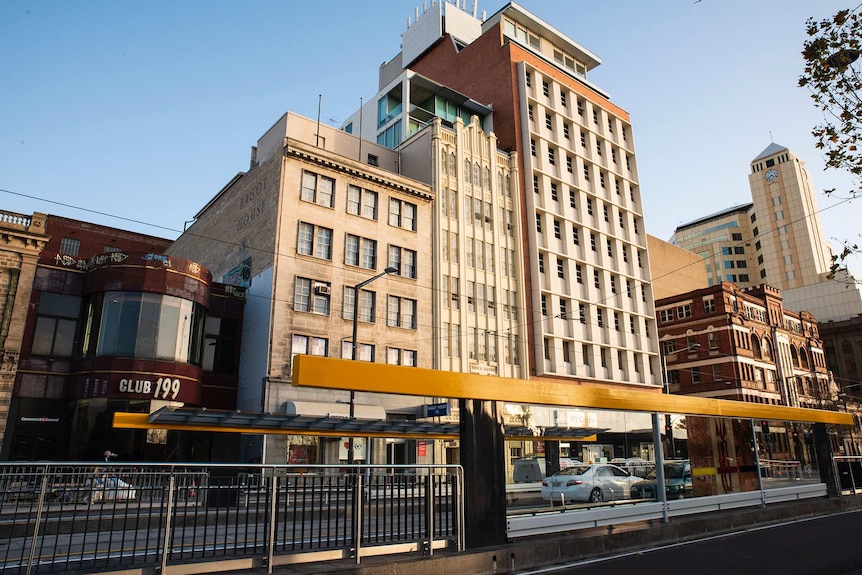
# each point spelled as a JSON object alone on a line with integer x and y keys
{"x": 140, "y": 386}
{"x": 437, "y": 409}
{"x": 358, "y": 448}
{"x": 421, "y": 449}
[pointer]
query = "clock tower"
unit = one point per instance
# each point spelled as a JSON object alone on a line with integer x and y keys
{"x": 788, "y": 238}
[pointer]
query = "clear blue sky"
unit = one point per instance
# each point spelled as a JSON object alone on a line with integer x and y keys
{"x": 145, "y": 109}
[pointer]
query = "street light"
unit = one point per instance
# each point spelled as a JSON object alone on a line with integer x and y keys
{"x": 356, "y": 288}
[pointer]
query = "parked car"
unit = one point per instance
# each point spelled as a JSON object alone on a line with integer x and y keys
{"x": 677, "y": 482}
{"x": 532, "y": 469}
{"x": 634, "y": 465}
{"x": 594, "y": 483}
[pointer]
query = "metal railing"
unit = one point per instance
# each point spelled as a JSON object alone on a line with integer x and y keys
{"x": 786, "y": 470}
{"x": 64, "y": 518}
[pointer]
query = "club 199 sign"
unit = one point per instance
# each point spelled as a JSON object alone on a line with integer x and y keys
{"x": 163, "y": 388}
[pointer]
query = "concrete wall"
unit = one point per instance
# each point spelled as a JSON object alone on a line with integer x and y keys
{"x": 674, "y": 270}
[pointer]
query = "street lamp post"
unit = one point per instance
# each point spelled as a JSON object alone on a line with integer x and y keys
{"x": 353, "y": 355}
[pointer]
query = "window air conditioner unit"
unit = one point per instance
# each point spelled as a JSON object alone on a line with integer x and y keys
{"x": 321, "y": 289}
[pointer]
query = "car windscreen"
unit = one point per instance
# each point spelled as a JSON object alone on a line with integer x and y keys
{"x": 574, "y": 470}
{"x": 674, "y": 471}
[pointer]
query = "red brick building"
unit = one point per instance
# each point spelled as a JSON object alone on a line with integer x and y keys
{"x": 728, "y": 343}
{"x": 114, "y": 325}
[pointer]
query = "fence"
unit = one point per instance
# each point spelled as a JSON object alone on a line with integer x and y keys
{"x": 98, "y": 518}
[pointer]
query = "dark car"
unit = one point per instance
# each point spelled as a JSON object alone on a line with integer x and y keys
{"x": 677, "y": 482}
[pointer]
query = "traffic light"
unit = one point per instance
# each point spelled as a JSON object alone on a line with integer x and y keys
{"x": 764, "y": 427}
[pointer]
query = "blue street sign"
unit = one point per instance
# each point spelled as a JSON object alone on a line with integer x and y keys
{"x": 436, "y": 409}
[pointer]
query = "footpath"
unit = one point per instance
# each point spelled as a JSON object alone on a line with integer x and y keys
{"x": 558, "y": 549}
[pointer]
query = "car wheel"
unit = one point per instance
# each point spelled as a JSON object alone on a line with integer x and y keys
{"x": 596, "y": 495}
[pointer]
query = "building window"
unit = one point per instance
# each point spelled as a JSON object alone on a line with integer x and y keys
{"x": 220, "y": 345}
{"x": 557, "y": 230}
{"x": 560, "y": 269}
{"x": 69, "y": 246}
{"x": 364, "y": 351}
{"x": 546, "y": 89}
{"x": 361, "y": 202}
{"x": 317, "y": 189}
{"x": 593, "y": 241}
{"x": 401, "y": 312}
{"x": 712, "y": 339}
{"x": 709, "y": 305}
{"x": 589, "y": 206}
{"x": 314, "y": 241}
{"x": 404, "y": 260}
{"x": 554, "y": 194}
{"x": 568, "y": 163}
{"x": 360, "y": 252}
{"x": 112, "y": 249}
{"x": 309, "y": 345}
{"x": 311, "y": 296}
{"x": 579, "y": 273}
{"x": 56, "y": 322}
{"x": 402, "y": 214}
{"x": 596, "y": 280}
{"x": 367, "y": 305}
{"x": 665, "y": 315}
{"x": 549, "y": 124}
{"x": 576, "y": 236}
{"x": 683, "y": 311}
{"x": 397, "y": 356}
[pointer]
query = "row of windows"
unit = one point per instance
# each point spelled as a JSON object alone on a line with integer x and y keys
{"x": 603, "y": 175}
{"x": 449, "y": 165}
{"x": 312, "y": 345}
{"x": 479, "y": 213}
{"x": 594, "y": 243}
{"x": 315, "y": 297}
{"x": 479, "y": 254}
{"x": 567, "y": 354}
{"x": 320, "y": 190}
{"x": 564, "y": 267}
{"x": 481, "y": 345}
{"x": 606, "y": 208}
{"x": 580, "y": 104}
{"x": 134, "y": 324}
{"x": 601, "y": 314}
{"x": 316, "y": 241}
{"x": 480, "y": 298}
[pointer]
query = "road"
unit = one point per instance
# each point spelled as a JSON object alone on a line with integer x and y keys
{"x": 822, "y": 546}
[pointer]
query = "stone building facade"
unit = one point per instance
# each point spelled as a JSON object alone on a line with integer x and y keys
{"x": 24, "y": 238}
{"x": 317, "y": 213}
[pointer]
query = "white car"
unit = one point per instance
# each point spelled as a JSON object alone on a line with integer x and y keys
{"x": 594, "y": 483}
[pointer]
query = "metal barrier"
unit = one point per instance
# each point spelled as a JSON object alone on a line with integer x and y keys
{"x": 64, "y": 518}
{"x": 786, "y": 470}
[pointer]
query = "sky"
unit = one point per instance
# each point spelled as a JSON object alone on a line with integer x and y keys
{"x": 133, "y": 114}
